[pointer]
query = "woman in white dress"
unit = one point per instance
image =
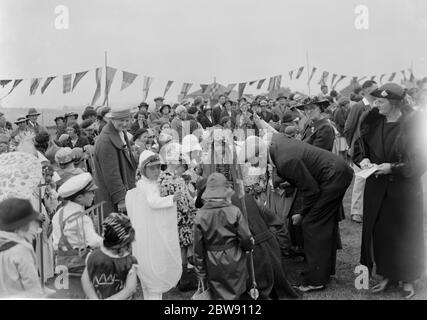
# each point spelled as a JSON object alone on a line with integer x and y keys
{"x": 154, "y": 218}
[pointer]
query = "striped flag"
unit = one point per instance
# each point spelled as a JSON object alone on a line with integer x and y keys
{"x": 260, "y": 83}
{"x": 15, "y": 84}
{"x": 312, "y": 74}
{"x": 98, "y": 75}
{"x": 342, "y": 77}
{"x": 299, "y": 73}
{"x": 34, "y": 85}
{"x": 110, "y": 73}
{"x": 204, "y": 87}
{"x": 230, "y": 88}
{"x": 4, "y": 82}
{"x": 242, "y": 86}
{"x": 324, "y": 77}
{"x": 168, "y": 86}
{"x": 46, "y": 83}
{"x": 127, "y": 79}
{"x": 334, "y": 76}
{"x": 291, "y": 73}
{"x": 66, "y": 83}
{"x": 146, "y": 86}
{"x": 185, "y": 88}
{"x": 77, "y": 78}
{"x": 391, "y": 78}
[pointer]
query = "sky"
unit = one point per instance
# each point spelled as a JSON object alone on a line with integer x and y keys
{"x": 196, "y": 41}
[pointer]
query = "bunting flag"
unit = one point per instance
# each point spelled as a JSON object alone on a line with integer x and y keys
{"x": 110, "y": 73}
{"x": 77, "y": 78}
{"x": 66, "y": 83}
{"x": 373, "y": 78}
{"x": 128, "y": 79}
{"x": 242, "y": 86}
{"x": 4, "y": 82}
{"x": 291, "y": 73}
{"x": 168, "y": 86}
{"x": 334, "y": 76}
{"x": 34, "y": 85}
{"x": 46, "y": 84}
{"x": 312, "y": 74}
{"x": 230, "y": 88}
{"x": 411, "y": 77}
{"x": 354, "y": 79}
{"x": 391, "y": 78}
{"x": 146, "y": 86}
{"x": 403, "y": 74}
{"x": 204, "y": 87}
{"x": 341, "y": 78}
{"x": 213, "y": 89}
{"x": 278, "y": 82}
{"x": 260, "y": 83}
{"x": 252, "y": 82}
{"x": 15, "y": 84}
{"x": 363, "y": 78}
{"x": 185, "y": 88}
{"x": 381, "y": 78}
{"x": 299, "y": 73}
{"x": 98, "y": 75}
{"x": 274, "y": 83}
{"x": 271, "y": 84}
{"x": 324, "y": 78}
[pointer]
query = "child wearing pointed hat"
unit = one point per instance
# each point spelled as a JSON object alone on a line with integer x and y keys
{"x": 221, "y": 240}
{"x": 154, "y": 217}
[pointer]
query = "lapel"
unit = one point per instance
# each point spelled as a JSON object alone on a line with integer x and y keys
{"x": 115, "y": 139}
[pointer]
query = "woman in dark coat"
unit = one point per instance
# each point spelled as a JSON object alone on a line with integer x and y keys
{"x": 76, "y": 139}
{"x": 393, "y": 199}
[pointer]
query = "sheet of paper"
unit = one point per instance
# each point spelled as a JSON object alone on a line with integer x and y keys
{"x": 366, "y": 173}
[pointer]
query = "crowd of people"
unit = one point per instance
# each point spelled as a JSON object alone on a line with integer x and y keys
{"x": 216, "y": 197}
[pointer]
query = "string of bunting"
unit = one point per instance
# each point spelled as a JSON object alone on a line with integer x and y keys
{"x": 71, "y": 80}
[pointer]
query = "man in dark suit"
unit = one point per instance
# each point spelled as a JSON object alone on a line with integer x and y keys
{"x": 229, "y": 112}
{"x": 218, "y": 108}
{"x": 33, "y": 125}
{"x": 115, "y": 166}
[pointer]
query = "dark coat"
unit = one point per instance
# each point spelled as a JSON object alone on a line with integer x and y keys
{"x": 319, "y": 134}
{"x": 267, "y": 230}
{"x": 115, "y": 168}
{"x": 221, "y": 237}
{"x": 204, "y": 120}
{"x": 233, "y": 117}
{"x": 393, "y": 204}
{"x": 340, "y": 116}
{"x": 352, "y": 124}
{"x": 322, "y": 178}
{"x": 216, "y": 114}
{"x": 81, "y": 142}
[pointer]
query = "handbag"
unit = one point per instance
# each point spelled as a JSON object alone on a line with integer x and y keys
{"x": 73, "y": 259}
{"x": 202, "y": 293}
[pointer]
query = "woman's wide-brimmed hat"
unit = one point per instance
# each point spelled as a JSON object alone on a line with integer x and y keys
{"x": 165, "y": 106}
{"x": 391, "y": 91}
{"x": 119, "y": 113}
{"x": 16, "y": 213}
{"x": 32, "y": 112}
{"x": 217, "y": 187}
{"x": 21, "y": 119}
{"x": 315, "y": 101}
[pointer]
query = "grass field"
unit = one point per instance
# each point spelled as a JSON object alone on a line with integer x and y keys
{"x": 342, "y": 286}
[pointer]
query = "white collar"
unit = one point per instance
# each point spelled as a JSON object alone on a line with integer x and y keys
{"x": 365, "y": 101}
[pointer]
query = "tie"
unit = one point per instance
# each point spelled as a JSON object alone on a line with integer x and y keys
{"x": 128, "y": 148}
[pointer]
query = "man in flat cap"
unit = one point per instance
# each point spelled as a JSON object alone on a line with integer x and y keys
{"x": 115, "y": 166}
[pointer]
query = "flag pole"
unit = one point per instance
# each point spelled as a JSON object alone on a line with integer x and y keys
{"x": 106, "y": 77}
{"x": 308, "y": 72}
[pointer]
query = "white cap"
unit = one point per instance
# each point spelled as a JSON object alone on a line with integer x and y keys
{"x": 76, "y": 184}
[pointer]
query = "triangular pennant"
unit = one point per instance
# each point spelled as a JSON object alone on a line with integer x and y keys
{"x": 15, "y": 84}
{"x": 204, "y": 87}
{"x": 391, "y": 78}
{"x": 411, "y": 77}
{"x": 403, "y": 74}
{"x": 312, "y": 74}
{"x": 241, "y": 88}
{"x": 128, "y": 79}
{"x": 34, "y": 85}
{"x": 4, "y": 82}
{"x": 230, "y": 88}
{"x": 278, "y": 82}
{"x": 185, "y": 88}
{"x": 110, "y": 73}
{"x": 354, "y": 79}
{"x": 373, "y": 78}
{"x": 271, "y": 84}
{"x": 98, "y": 75}
{"x": 260, "y": 83}
{"x": 252, "y": 82}
{"x": 381, "y": 78}
{"x": 146, "y": 86}
{"x": 46, "y": 84}
{"x": 342, "y": 77}
{"x": 77, "y": 78}
{"x": 291, "y": 73}
{"x": 168, "y": 86}
{"x": 299, "y": 73}
{"x": 66, "y": 83}
{"x": 324, "y": 78}
{"x": 334, "y": 76}
{"x": 363, "y": 78}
